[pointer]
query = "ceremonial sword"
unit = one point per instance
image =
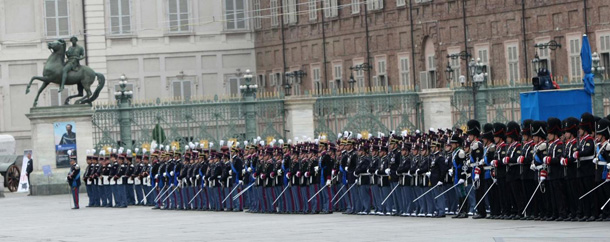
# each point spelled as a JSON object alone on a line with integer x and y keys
{"x": 350, "y": 188}
{"x": 429, "y": 190}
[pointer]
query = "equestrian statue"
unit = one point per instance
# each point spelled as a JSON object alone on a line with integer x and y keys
{"x": 57, "y": 70}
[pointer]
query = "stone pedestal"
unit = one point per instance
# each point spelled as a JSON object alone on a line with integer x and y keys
{"x": 43, "y": 144}
{"x": 437, "y": 107}
{"x": 299, "y": 117}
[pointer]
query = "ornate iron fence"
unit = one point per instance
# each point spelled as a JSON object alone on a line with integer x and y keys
{"x": 367, "y": 111}
{"x": 181, "y": 122}
{"x": 503, "y": 103}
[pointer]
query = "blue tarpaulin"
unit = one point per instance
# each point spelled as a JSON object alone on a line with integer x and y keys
{"x": 541, "y": 105}
{"x": 587, "y": 62}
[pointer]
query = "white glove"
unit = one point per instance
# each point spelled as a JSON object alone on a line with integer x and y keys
{"x": 249, "y": 169}
{"x": 542, "y": 178}
{"x": 197, "y": 177}
{"x": 595, "y": 160}
{"x": 171, "y": 173}
{"x": 287, "y": 177}
{"x": 316, "y": 168}
{"x": 279, "y": 172}
{"x": 461, "y": 181}
{"x": 327, "y": 182}
{"x": 474, "y": 146}
{"x": 243, "y": 171}
{"x": 481, "y": 162}
{"x": 439, "y": 183}
{"x": 450, "y": 171}
{"x": 476, "y": 177}
{"x": 428, "y": 174}
{"x": 417, "y": 172}
{"x": 241, "y": 182}
{"x": 346, "y": 169}
{"x": 157, "y": 176}
{"x": 230, "y": 172}
{"x": 164, "y": 173}
{"x": 494, "y": 179}
{"x": 608, "y": 166}
{"x": 387, "y": 171}
{"x": 533, "y": 167}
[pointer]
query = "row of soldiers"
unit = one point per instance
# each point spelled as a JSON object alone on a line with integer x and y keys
{"x": 537, "y": 170}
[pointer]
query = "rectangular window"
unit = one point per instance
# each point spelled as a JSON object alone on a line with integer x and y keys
{"x": 337, "y": 72}
{"x": 57, "y": 20}
{"x": 359, "y": 77}
{"x": 120, "y": 19}
{"x": 274, "y": 13}
{"x": 316, "y": 80}
{"x": 330, "y": 8}
{"x": 178, "y": 15}
{"x": 290, "y": 11}
{"x": 400, "y": 3}
{"x": 257, "y": 14}
{"x": 513, "y": 63}
{"x": 375, "y": 4}
{"x": 261, "y": 81}
{"x": 403, "y": 63}
{"x": 381, "y": 67}
{"x": 457, "y": 69}
{"x": 58, "y": 99}
{"x": 574, "y": 59}
{"x": 235, "y": 14}
{"x": 272, "y": 79}
{"x": 182, "y": 89}
{"x": 431, "y": 63}
{"x": 355, "y": 6}
{"x": 313, "y": 11}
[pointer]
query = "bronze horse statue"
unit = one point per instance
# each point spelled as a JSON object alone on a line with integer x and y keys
{"x": 83, "y": 77}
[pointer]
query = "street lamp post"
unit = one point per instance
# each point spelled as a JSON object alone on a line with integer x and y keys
{"x": 448, "y": 73}
{"x": 361, "y": 67}
{"x": 296, "y": 75}
{"x": 123, "y": 97}
{"x": 478, "y": 73}
{"x": 248, "y": 91}
{"x": 552, "y": 45}
{"x": 597, "y": 69}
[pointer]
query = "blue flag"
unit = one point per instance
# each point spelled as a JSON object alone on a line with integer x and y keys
{"x": 587, "y": 62}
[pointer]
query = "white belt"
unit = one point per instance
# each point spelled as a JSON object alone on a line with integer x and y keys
{"x": 487, "y": 168}
{"x": 586, "y": 158}
{"x": 602, "y": 163}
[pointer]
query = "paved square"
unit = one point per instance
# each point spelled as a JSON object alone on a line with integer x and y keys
{"x": 49, "y": 218}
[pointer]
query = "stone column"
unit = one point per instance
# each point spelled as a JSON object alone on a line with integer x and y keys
{"x": 43, "y": 144}
{"x": 299, "y": 116}
{"x": 437, "y": 108}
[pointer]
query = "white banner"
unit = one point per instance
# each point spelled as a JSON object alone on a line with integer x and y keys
{"x": 23, "y": 179}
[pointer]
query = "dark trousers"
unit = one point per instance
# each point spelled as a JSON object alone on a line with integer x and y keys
{"x": 528, "y": 189}
{"x": 495, "y": 206}
{"x": 558, "y": 198}
{"x": 571, "y": 189}
{"x": 503, "y": 199}
{"x": 483, "y": 186}
{"x": 585, "y": 184}
{"x": 518, "y": 200}
{"x": 75, "y": 195}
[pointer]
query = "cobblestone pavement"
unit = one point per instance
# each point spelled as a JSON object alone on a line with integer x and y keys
{"x": 49, "y": 218}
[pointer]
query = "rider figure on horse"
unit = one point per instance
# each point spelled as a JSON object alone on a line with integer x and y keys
{"x": 75, "y": 53}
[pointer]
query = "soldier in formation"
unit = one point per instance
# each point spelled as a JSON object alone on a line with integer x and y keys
{"x": 552, "y": 170}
